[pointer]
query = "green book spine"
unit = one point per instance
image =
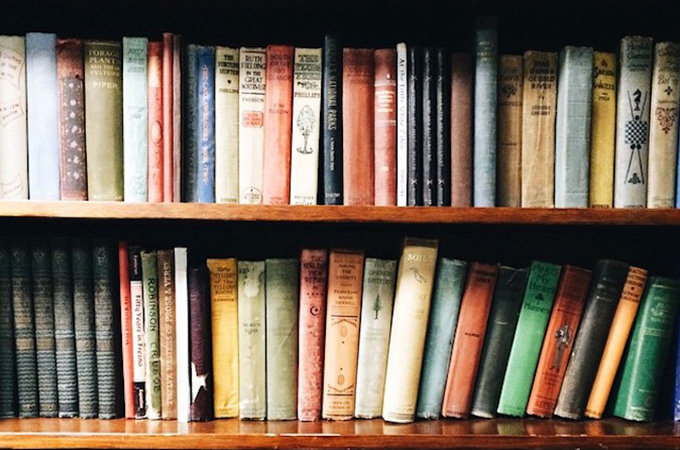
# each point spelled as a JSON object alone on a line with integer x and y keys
{"x": 43, "y": 306}
{"x": 526, "y": 345}
{"x": 281, "y": 290}
{"x": 151, "y": 325}
{"x": 8, "y": 384}
{"x": 637, "y": 393}
{"x": 503, "y": 316}
{"x": 104, "y": 120}
{"x": 83, "y": 311}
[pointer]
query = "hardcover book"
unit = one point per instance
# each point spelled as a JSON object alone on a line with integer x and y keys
{"x": 166, "y": 330}
{"x": 190, "y": 124}
{"x": 201, "y": 407}
{"x": 331, "y": 120}
{"x": 155, "y": 121}
{"x": 168, "y": 116}
{"x": 8, "y": 382}
{"x": 177, "y": 130}
{"x": 442, "y": 135}
{"x": 414, "y": 113}
{"x": 127, "y": 346}
{"x": 509, "y": 177}
{"x": 138, "y": 330}
{"x": 226, "y": 124}
{"x": 182, "y": 336}
{"x": 385, "y": 109}
{"x": 149, "y": 261}
{"x": 462, "y": 116}
{"x": 428, "y": 121}
{"x": 402, "y": 124}
{"x": 205, "y": 78}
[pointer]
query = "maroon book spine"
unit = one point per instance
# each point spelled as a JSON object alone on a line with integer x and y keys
{"x": 461, "y": 129}
{"x": 200, "y": 346}
{"x": 385, "y": 127}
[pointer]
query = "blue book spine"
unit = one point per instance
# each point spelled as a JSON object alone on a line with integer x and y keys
{"x": 43, "y": 116}
{"x": 448, "y": 292}
{"x": 572, "y": 140}
{"x": 190, "y": 125}
{"x": 486, "y": 74}
{"x": 331, "y": 117}
{"x": 205, "y": 77}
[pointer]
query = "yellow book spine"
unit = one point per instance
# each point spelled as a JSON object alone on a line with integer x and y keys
{"x": 224, "y": 309}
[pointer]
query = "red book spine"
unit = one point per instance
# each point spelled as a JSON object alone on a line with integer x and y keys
{"x": 126, "y": 330}
{"x": 155, "y": 106}
{"x": 461, "y": 129}
{"x": 168, "y": 116}
{"x": 278, "y": 113}
{"x": 357, "y": 122}
{"x": 385, "y": 108}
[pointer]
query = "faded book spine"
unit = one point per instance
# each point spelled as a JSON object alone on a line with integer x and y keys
{"x": 182, "y": 336}
{"x": 385, "y": 107}
{"x": 168, "y": 115}
{"x": 462, "y": 117}
{"x": 402, "y": 124}
{"x": 168, "y": 344}
{"x": 155, "y": 122}
{"x": 177, "y": 104}
{"x": 152, "y": 333}
{"x": 206, "y": 124}
{"x": 510, "y": 83}
{"x": 8, "y": 382}
{"x": 138, "y": 334}
{"x": 226, "y": 124}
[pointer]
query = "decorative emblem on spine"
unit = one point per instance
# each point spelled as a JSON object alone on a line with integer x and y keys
{"x": 666, "y": 117}
{"x": 420, "y": 278}
{"x": 509, "y": 90}
{"x": 562, "y": 336}
{"x": 305, "y": 123}
{"x": 635, "y": 136}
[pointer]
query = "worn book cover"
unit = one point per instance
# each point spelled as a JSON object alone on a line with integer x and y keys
{"x": 155, "y": 122}
{"x": 152, "y": 332}
{"x": 462, "y": 128}
{"x": 510, "y": 96}
{"x": 226, "y": 124}
{"x": 385, "y": 108}
{"x": 166, "y": 330}
{"x": 331, "y": 119}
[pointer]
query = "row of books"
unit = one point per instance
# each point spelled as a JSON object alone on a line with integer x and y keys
{"x": 164, "y": 120}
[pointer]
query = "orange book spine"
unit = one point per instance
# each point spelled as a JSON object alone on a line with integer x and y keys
{"x": 168, "y": 116}
{"x": 559, "y": 338}
{"x": 469, "y": 339}
{"x": 385, "y": 108}
{"x": 126, "y": 330}
{"x": 278, "y": 106}
{"x": 358, "y": 127}
{"x": 155, "y": 137}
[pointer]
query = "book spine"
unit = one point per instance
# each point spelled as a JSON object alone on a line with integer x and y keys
{"x": 190, "y": 124}
{"x": 135, "y": 118}
{"x": 415, "y": 280}
{"x": 331, "y": 116}
{"x": 43, "y": 127}
{"x": 155, "y": 127}
{"x": 83, "y": 311}
{"x": 603, "y": 131}
{"x": 603, "y": 296}
{"x": 632, "y": 122}
{"x": 13, "y": 129}
{"x": 559, "y": 337}
{"x": 182, "y": 335}
{"x": 251, "y": 342}
{"x": 509, "y": 177}
{"x": 149, "y": 261}
{"x": 8, "y": 382}
{"x": 484, "y": 150}
{"x": 385, "y": 108}
{"x": 252, "y": 71}
{"x": 622, "y": 323}
{"x": 43, "y": 306}
{"x": 304, "y": 168}
{"x": 441, "y": 327}
{"x": 224, "y": 319}
{"x": 374, "y": 334}
{"x": 313, "y": 273}
{"x": 402, "y": 124}
{"x": 201, "y": 408}
{"x": 166, "y": 316}
{"x": 226, "y": 124}
{"x": 168, "y": 116}
{"x": 505, "y": 307}
{"x": 428, "y": 121}
{"x": 572, "y": 129}
{"x": 663, "y": 128}
{"x": 177, "y": 104}
{"x": 462, "y": 117}
{"x": 138, "y": 330}
{"x": 529, "y": 335}
{"x": 442, "y": 139}
{"x": 104, "y": 120}
{"x": 127, "y": 346}
{"x": 469, "y": 339}
{"x": 205, "y": 78}
{"x": 281, "y": 291}
{"x": 414, "y": 125}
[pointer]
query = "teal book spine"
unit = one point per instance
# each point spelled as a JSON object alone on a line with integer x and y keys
{"x": 205, "y": 147}
{"x": 282, "y": 302}
{"x": 441, "y": 328}
{"x": 190, "y": 124}
{"x": 526, "y": 345}
{"x": 152, "y": 332}
{"x": 8, "y": 383}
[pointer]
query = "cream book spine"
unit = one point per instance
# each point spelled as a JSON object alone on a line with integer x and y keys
{"x": 226, "y": 124}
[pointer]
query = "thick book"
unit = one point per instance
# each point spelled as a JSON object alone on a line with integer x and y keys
{"x": 8, "y": 381}
{"x": 72, "y": 163}
{"x": 441, "y": 327}
{"x": 278, "y": 113}
{"x": 619, "y": 331}
{"x": 509, "y": 159}
{"x": 331, "y": 120}
{"x": 127, "y": 347}
{"x": 485, "y": 88}
{"x": 559, "y": 338}
{"x": 377, "y": 300}
{"x": 282, "y": 301}
{"x": 205, "y": 160}
{"x": 500, "y": 328}
{"x": 13, "y": 130}
{"x": 226, "y": 124}
{"x": 43, "y": 116}
{"x": 155, "y": 121}
{"x": 632, "y": 122}
{"x": 401, "y": 123}
{"x": 135, "y": 118}
{"x": 313, "y": 276}
{"x": 252, "y": 82}
{"x": 413, "y": 293}
{"x": 637, "y": 393}
{"x": 149, "y": 259}
{"x": 385, "y": 110}
{"x": 442, "y": 133}
{"x": 538, "y": 129}
{"x": 252, "y": 340}
{"x": 607, "y": 283}
{"x": 428, "y": 121}
{"x": 304, "y": 169}
{"x": 104, "y": 119}
{"x": 469, "y": 339}
{"x": 201, "y": 407}
{"x": 224, "y": 320}
{"x": 414, "y": 124}
{"x": 529, "y": 335}
{"x": 343, "y": 300}
{"x": 462, "y": 118}
{"x": 572, "y": 128}
{"x": 167, "y": 90}
{"x": 357, "y": 128}
{"x": 663, "y": 127}
{"x": 189, "y": 123}
{"x": 603, "y": 131}
{"x": 138, "y": 327}
{"x": 182, "y": 335}
{"x": 166, "y": 329}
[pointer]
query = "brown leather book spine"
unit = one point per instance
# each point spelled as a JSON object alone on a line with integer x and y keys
{"x": 278, "y": 115}
{"x": 385, "y": 126}
{"x": 168, "y": 116}
{"x": 155, "y": 107}
{"x": 469, "y": 339}
{"x": 357, "y": 101}
{"x": 559, "y": 337}
{"x": 70, "y": 75}
{"x": 509, "y": 161}
{"x": 461, "y": 129}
